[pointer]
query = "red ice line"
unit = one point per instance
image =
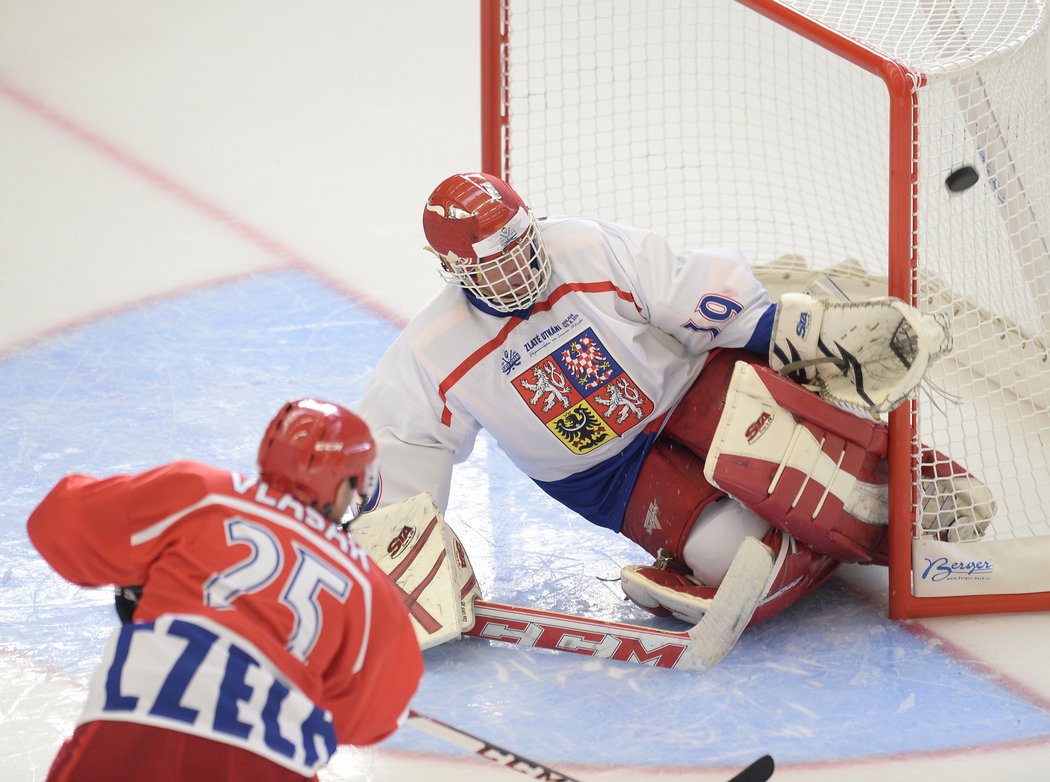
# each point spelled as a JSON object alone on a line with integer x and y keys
{"x": 185, "y": 195}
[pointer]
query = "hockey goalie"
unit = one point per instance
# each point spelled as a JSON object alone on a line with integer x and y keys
{"x": 659, "y": 395}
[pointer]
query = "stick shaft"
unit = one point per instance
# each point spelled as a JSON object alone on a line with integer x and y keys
{"x": 485, "y": 749}
{"x": 759, "y": 771}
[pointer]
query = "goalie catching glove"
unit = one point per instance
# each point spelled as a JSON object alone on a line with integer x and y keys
{"x": 869, "y": 355}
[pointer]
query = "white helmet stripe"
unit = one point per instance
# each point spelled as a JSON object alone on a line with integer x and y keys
{"x": 508, "y": 234}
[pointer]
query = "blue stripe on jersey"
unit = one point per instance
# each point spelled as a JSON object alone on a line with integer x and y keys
{"x": 763, "y": 334}
{"x": 600, "y": 494}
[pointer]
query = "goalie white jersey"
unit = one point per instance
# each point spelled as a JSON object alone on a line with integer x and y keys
{"x": 575, "y": 388}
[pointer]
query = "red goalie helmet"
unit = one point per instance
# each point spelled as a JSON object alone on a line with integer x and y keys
{"x": 311, "y": 447}
{"x": 487, "y": 240}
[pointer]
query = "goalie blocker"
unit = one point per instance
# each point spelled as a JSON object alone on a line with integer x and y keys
{"x": 425, "y": 559}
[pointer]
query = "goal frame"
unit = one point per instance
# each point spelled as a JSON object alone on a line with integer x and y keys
{"x": 902, "y": 193}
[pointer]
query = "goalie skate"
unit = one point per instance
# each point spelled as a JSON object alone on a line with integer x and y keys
{"x": 664, "y": 589}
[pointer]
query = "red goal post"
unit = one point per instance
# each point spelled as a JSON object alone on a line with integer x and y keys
{"x": 818, "y": 135}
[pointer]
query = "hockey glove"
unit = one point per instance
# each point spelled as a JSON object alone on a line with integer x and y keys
{"x": 126, "y": 600}
{"x": 869, "y": 355}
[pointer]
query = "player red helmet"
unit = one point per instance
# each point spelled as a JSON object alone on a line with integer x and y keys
{"x": 311, "y": 447}
{"x": 487, "y": 240}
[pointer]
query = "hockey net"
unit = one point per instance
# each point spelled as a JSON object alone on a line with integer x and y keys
{"x": 818, "y": 136}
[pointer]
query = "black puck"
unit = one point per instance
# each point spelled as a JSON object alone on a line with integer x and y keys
{"x": 962, "y": 178}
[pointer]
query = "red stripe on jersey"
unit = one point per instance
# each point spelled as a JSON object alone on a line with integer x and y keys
{"x": 494, "y": 344}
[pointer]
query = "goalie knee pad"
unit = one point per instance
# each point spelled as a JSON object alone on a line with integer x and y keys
{"x": 671, "y": 490}
{"x": 668, "y": 496}
{"x": 806, "y": 467}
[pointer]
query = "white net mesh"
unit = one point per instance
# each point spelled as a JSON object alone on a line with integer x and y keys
{"x": 694, "y": 122}
{"x": 712, "y": 124}
{"x": 984, "y": 258}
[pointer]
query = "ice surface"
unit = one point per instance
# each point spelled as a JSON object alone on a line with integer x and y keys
{"x": 207, "y": 209}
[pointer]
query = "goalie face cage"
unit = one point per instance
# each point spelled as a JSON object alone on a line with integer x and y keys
{"x": 818, "y": 136}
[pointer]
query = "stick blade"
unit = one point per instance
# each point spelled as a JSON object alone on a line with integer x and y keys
{"x": 759, "y": 771}
{"x": 735, "y": 602}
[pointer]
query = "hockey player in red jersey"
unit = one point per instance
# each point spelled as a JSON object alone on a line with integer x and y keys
{"x": 648, "y": 391}
{"x": 264, "y": 637}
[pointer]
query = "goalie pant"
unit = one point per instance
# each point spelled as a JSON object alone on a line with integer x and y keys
{"x": 671, "y": 493}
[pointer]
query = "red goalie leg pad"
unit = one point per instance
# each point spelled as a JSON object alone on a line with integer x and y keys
{"x": 695, "y": 417}
{"x": 798, "y": 571}
{"x": 667, "y": 498}
{"x": 804, "y": 466}
{"x": 671, "y": 489}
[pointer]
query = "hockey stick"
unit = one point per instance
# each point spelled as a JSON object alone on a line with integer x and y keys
{"x": 579, "y": 634}
{"x": 697, "y": 649}
{"x": 487, "y": 749}
{"x": 759, "y": 771}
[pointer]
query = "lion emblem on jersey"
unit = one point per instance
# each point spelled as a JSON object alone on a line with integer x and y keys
{"x": 582, "y": 395}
